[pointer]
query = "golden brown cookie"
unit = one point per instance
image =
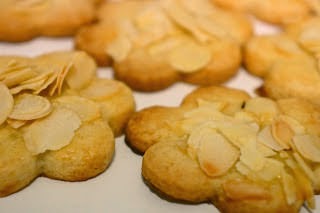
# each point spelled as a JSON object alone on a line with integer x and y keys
{"x": 22, "y": 20}
{"x": 273, "y": 11}
{"x": 153, "y": 44}
{"x": 242, "y": 154}
{"x": 57, "y": 119}
{"x": 288, "y": 62}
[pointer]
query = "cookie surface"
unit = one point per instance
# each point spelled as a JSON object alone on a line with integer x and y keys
{"x": 273, "y": 11}
{"x": 153, "y": 44}
{"x": 24, "y": 20}
{"x": 243, "y": 154}
{"x": 58, "y": 119}
{"x": 287, "y": 62}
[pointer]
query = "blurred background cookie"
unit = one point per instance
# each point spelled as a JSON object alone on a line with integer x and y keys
{"x": 22, "y": 20}
{"x": 153, "y": 44}
{"x": 274, "y": 11}
{"x": 288, "y": 62}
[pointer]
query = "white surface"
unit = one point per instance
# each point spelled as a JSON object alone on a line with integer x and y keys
{"x": 120, "y": 188}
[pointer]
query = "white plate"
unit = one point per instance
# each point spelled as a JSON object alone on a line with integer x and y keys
{"x": 120, "y": 188}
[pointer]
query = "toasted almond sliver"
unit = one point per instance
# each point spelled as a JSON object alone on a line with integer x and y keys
{"x": 30, "y": 86}
{"x": 282, "y": 133}
{"x": 166, "y": 45}
{"x": 100, "y": 89}
{"x": 295, "y": 126}
{"x": 251, "y": 157}
{"x": 16, "y": 124}
{"x": 272, "y": 169}
{"x": 15, "y": 78}
{"x": 289, "y": 187}
{"x": 53, "y": 132}
{"x": 189, "y": 57}
{"x": 87, "y": 110}
{"x": 243, "y": 190}
{"x": 265, "y": 109}
{"x": 308, "y": 146}
{"x": 216, "y": 155}
{"x": 30, "y": 107}
{"x": 119, "y": 48}
{"x": 266, "y": 138}
{"x": 82, "y": 72}
{"x": 6, "y": 103}
{"x": 184, "y": 19}
{"x": 305, "y": 167}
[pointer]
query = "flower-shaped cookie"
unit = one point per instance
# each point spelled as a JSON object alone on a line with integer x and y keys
{"x": 57, "y": 119}
{"x": 288, "y": 62}
{"x": 154, "y": 44}
{"x": 22, "y": 20}
{"x": 243, "y": 154}
{"x": 274, "y": 11}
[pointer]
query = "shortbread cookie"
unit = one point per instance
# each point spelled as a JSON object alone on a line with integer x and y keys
{"x": 153, "y": 44}
{"x": 289, "y": 62}
{"x": 57, "y": 119}
{"x": 243, "y": 154}
{"x": 22, "y": 20}
{"x": 273, "y": 11}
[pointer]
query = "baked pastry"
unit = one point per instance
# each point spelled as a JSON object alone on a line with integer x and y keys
{"x": 57, "y": 119}
{"x": 155, "y": 43}
{"x": 242, "y": 154}
{"x": 22, "y": 20}
{"x": 288, "y": 62}
{"x": 274, "y": 11}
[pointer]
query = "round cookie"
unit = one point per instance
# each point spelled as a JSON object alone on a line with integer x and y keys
{"x": 153, "y": 44}
{"x": 288, "y": 62}
{"x": 242, "y": 154}
{"x": 24, "y": 20}
{"x": 62, "y": 122}
{"x": 274, "y": 11}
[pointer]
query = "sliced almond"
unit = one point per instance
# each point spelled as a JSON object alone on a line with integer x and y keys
{"x": 184, "y": 19}
{"x": 305, "y": 167}
{"x": 308, "y": 146}
{"x": 119, "y": 48}
{"x": 265, "y": 109}
{"x": 197, "y": 8}
{"x": 295, "y": 126}
{"x": 282, "y": 133}
{"x": 245, "y": 190}
{"x": 216, "y": 155}
{"x": 166, "y": 45}
{"x": 251, "y": 157}
{"x": 100, "y": 89}
{"x": 30, "y": 107}
{"x": 6, "y": 103}
{"x": 266, "y": 138}
{"x": 272, "y": 169}
{"x": 87, "y": 110}
{"x": 16, "y": 124}
{"x": 289, "y": 187}
{"x": 15, "y": 78}
{"x": 190, "y": 57}
{"x": 53, "y": 132}
{"x": 239, "y": 134}
{"x": 303, "y": 182}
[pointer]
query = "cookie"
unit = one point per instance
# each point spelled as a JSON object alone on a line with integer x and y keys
{"x": 57, "y": 119}
{"x": 153, "y": 44}
{"x": 24, "y": 20}
{"x": 276, "y": 12}
{"x": 220, "y": 145}
{"x": 287, "y": 62}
